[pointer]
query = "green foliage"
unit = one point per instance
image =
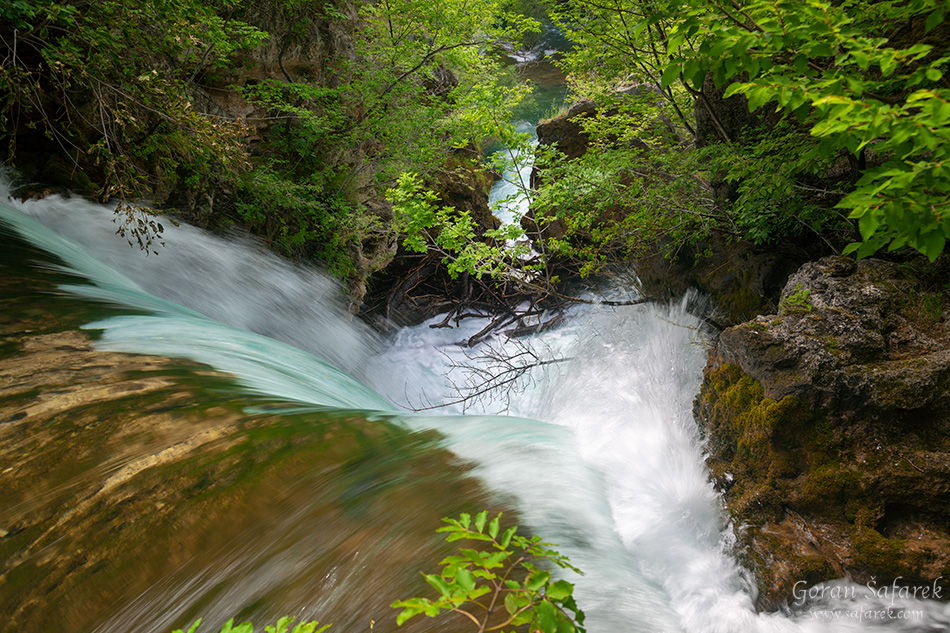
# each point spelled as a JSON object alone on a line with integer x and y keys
{"x": 282, "y": 626}
{"x": 120, "y": 72}
{"x": 636, "y": 186}
{"x": 424, "y": 82}
{"x": 861, "y": 88}
{"x": 507, "y": 570}
{"x": 773, "y": 197}
{"x": 418, "y": 86}
{"x": 798, "y": 302}
{"x": 859, "y": 78}
{"x": 300, "y": 218}
{"x": 411, "y": 82}
{"x": 618, "y": 198}
{"x": 425, "y": 226}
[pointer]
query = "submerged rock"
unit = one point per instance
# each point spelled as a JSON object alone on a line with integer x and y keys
{"x": 828, "y": 428}
{"x": 139, "y": 493}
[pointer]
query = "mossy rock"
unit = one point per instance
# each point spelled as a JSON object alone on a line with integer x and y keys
{"x": 881, "y": 556}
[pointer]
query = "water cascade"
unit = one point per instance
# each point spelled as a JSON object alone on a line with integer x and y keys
{"x": 604, "y": 459}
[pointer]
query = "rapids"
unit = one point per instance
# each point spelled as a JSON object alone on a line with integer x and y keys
{"x": 599, "y": 453}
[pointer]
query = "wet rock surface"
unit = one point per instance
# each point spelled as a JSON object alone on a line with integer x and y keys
{"x": 139, "y": 493}
{"x": 828, "y": 428}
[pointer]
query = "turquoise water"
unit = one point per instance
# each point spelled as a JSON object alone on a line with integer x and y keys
{"x": 599, "y": 453}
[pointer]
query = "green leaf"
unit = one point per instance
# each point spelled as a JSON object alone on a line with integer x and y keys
{"x": 559, "y": 590}
{"x": 438, "y": 584}
{"x": 896, "y": 243}
{"x": 564, "y": 625}
{"x": 465, "y": 580}
{"x": 494, "y": 559}
{"x": 480, "y": 520}
{"x": 670, "y": 74}
{"x": 861, "y": 58}
{"x": 493, "y": 526}
{"x": 537, "y": 580}
{"x": 735, "y": 88}
{"x": 511, "y": 603}
{"x": 934, "y": 19}
{"x": 868, "y": 224}
{"x": 282, "y": 625}
{"x": 934, "y": 243}
{"x": 547, "y": 617}
{"x": 506, "y": 537}
{"x": 405, "y": 614}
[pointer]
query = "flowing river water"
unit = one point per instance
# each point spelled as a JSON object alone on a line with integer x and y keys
{"x": 599, "y": 454}
{"x": 305, "y": 486}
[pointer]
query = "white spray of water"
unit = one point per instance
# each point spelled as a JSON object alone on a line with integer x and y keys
{"x": 635, "y": 508}
{"x": 613, "y": 472}
{"x": 230, "y": 279}
{"x": 508, "y": 197}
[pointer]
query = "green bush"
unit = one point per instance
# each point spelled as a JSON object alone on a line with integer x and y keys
{"x": 507, "y": 571}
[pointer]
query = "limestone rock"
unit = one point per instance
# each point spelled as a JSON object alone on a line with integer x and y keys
{"x": 828, "y": 428}
{"x": 741, "y": 279}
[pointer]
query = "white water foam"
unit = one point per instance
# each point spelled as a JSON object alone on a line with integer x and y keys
{"x": 613, "y": 472}
{"x": 231, "y": 279}
{"x": 508, "y": 197}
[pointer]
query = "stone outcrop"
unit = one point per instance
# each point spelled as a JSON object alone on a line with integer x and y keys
{"x": 828, "y": 428}
{"x": 566, "y": 131}
{"x": 741, "y": 280}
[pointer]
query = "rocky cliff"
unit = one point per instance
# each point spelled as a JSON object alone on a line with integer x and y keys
{"x": 828, "y": 428}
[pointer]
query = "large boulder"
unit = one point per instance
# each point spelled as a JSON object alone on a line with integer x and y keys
{"x": 828, "y": 428}
{"x": 741, "y": 279}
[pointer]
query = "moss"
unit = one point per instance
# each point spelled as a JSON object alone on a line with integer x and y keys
{"x": 742, "y": 304}
{"x": 798, "y": 302}
{"x": 831, "y": 344}
{"x": 760, "y": 425}
{"x": 885, "y": 556}
{"x": 830, "y": 488}
{"x": 762, "y": 441}
{"x": 743, "y": 395}
{"x": 812, "y": 569}
{"x": 819, "y": 444}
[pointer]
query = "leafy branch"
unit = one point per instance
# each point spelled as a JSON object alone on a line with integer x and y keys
{"x": 282, "y": 626}
{"x": 502, "y": 585}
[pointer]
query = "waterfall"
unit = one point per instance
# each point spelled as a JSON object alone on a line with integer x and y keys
{"x": 600, "y": 453}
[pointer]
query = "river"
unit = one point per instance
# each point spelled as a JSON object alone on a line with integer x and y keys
{"x": 599, "y": 454}
{"x": 305, "y": 485}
